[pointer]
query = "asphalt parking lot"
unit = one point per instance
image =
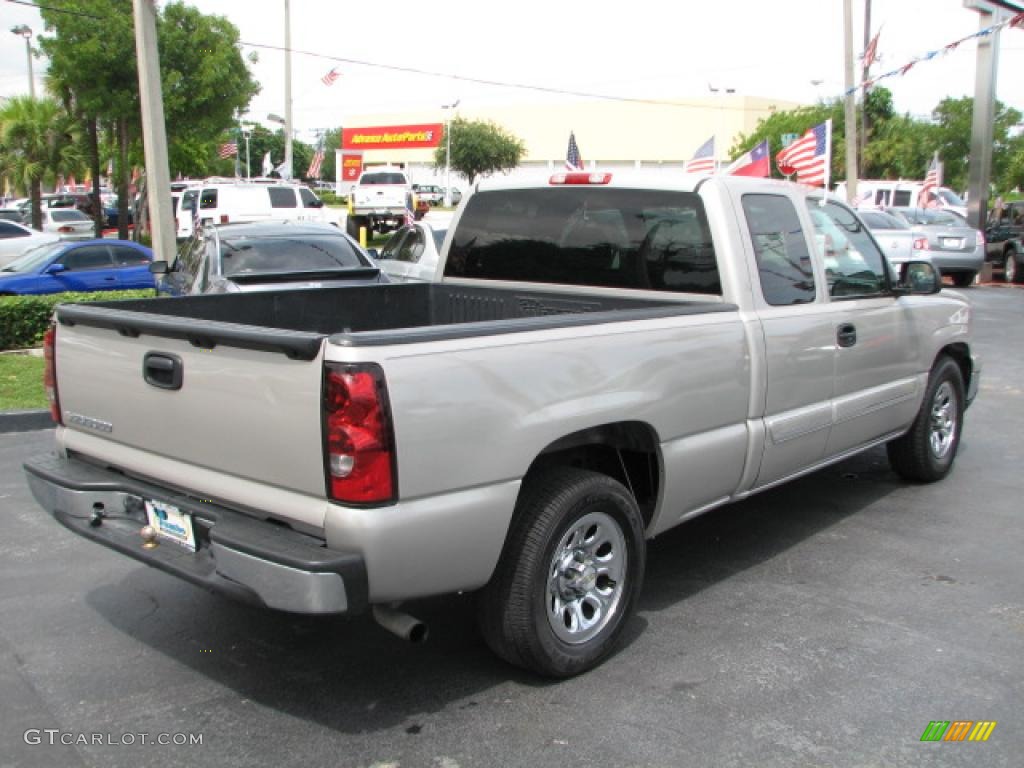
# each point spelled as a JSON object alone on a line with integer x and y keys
{"x": 825, "y": 623}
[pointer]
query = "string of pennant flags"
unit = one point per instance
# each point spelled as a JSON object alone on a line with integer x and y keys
{"x": 1013, "y": 21}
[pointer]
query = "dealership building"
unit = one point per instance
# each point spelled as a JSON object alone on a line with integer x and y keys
{"x": 610, "y": 134}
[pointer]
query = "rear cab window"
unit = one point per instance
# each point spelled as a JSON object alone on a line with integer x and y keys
{"x": 608, "y": 237}
{"x": 780, "y": 249}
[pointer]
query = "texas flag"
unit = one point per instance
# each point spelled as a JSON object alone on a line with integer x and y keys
{"x": 756, "y": 162}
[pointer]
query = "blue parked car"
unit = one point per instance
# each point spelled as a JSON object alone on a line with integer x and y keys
{"x": 85, "y": 265}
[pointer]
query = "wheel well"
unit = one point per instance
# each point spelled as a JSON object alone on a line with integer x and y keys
{"x": 961, "y": 356}
{"x": 625, "y": 451}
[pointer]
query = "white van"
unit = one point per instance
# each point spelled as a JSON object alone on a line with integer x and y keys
{"x": 886, "y": 193}
{"x": 228, "y": 202}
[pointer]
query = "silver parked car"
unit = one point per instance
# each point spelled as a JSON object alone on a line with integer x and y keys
{"x": 267, "y": 255}
{"x": 411, "y": 254}
{"x": 956, "y": 248}
{"x": 893, "y": 235}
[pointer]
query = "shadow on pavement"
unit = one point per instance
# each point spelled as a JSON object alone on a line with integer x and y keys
{"x": 350, "y": 675}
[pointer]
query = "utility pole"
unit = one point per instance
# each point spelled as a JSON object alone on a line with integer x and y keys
{"x": 979, "y": 166}
{"x": 863, "y": 79}
{"x": 850, "y": 115}
{"x": 154, "y": 131}
{"x": 288, "y": 89}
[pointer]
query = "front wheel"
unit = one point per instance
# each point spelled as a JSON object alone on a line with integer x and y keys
{"x": 926, "y": 452}
{"x": 1011, "y": 273}
{"x": 963, "y": 279}
{"x": 568, "y": 578}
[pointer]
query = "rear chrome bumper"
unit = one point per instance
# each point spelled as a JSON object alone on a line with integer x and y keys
{"x": 236, "y": 555}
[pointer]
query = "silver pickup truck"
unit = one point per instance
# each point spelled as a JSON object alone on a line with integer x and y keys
{"x": 605, "y": 357}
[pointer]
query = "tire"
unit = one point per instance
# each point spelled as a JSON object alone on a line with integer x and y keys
{"x": 926, "y": 452}
{"x": 963, "y": 279}
{"x": 569, "y": 575}
{"x": 1011, "y": 267}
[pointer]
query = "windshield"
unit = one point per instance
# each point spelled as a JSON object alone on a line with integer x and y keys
{"x": 880, "y": 220}
{"x": 382, "y": 178}
{"x": 288, "y": 254}
{"x": 940, "y": 218}
{"x": 68, "y": 215}
{"x": 34, "y": 258}
{"x": 949, "y": 197}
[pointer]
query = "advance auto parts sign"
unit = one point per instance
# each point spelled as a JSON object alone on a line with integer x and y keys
{"x": 392, "y": 137}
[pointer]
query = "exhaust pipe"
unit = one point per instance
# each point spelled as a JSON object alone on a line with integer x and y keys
{"x": 400, "y": 623}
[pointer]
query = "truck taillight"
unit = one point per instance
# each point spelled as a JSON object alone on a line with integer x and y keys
{"x": 580, "y": 177}
{"x": 920, "y": 243}
{"x": 358, "y": 445}
{"x": 50, "y": 372}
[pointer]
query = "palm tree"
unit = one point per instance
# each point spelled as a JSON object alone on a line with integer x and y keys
{"x": 38, "y": 140}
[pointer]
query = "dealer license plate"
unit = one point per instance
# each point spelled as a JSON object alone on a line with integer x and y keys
{"x": 171, "y": 523}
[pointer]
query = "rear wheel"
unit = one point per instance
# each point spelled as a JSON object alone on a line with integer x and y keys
{"x": 569, "y": 575}
{"x": 963, "y": 279}
{"x": 926, "y": 453}
{"x": 1011, "y": 271}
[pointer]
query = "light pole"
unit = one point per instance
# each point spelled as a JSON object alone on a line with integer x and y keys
{"x": 247, "y": 132}
{"x": 24, "y": 30}
{"x": 448, "y": 151}
{"x": 288, "y": 89}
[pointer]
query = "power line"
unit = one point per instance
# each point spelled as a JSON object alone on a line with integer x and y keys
{"x": 55, "y": 10}
{"x": 483, "y": 81}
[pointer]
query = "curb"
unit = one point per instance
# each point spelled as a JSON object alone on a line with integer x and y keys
{"x": 25, "y": 421}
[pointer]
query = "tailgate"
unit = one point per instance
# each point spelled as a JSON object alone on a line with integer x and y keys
{"x": 240, "y": 413}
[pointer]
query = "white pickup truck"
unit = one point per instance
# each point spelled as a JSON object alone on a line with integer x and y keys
{"x": 380, "y": 201}
{"x": 605, "y": 357}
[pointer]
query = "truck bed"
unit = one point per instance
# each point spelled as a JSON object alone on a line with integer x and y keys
{"x": 295, "y": 323}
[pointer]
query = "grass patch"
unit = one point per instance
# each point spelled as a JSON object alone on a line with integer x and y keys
{"x": 21, "y": 383}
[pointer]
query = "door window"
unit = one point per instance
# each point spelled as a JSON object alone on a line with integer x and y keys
{"x": 8, "y": 230}
{"x": 854, "y": 266}
{"x": 208, "y": 199}
{"x": 309, "y": 200}
{"x": 780, "y": 247}
{"x": 128, "y": 257}
{"x": 393, "y": 245}
{"x": 87, "y": 257}
{"x": 412, "y": 247}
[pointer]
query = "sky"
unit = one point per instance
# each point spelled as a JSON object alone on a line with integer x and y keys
{"x": 789, "y": 50}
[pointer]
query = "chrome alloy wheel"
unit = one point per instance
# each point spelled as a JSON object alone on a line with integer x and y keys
{"x": 942, "y": 431}
{"x": 586, "y": 578}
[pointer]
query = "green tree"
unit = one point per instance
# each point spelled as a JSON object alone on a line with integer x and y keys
{"x": 37, "y": 141}
{"x": 479, "y": 148}
{"x": 205, "y": 81}
{"x": 951, "y": 136}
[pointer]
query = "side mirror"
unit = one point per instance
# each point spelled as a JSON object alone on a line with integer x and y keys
{"x": 158, "y": 267}
{"x": 318, "y": 203}
{"x": 919, "y": 278}
{"x": 373, "y": 253}
{"x": 55, "y": 269}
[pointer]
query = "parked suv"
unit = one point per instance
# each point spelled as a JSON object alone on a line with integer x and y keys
{"x": 1003, "y": 237}
{"x": 429, "y": 194}
{"x": 237, "y": 201}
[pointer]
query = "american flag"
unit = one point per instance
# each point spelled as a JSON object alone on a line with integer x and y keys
{"x": 703, "y": 160}
{"x": 809, "y": 156}
{"x": 871, "y": 52}
{"x": 227, "y": 149}
{"x": 330, "y": 77}
{"x": 313, "y": 172}
{"x": 933, "y": 180}
{"x": 573, "y": 160}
